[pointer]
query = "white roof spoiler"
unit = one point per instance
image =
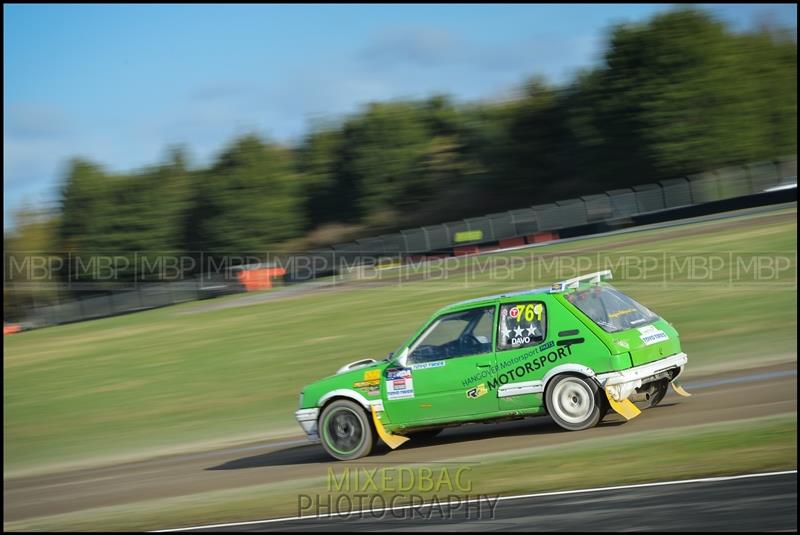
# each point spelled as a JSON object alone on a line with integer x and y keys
{"x": 591, "y": 278}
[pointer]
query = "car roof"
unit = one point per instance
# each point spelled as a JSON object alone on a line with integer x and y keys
{"x": 567, "y": 286}
{"x": 492, "y": 298}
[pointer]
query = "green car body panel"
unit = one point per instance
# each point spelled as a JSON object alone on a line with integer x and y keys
{"x": 514, "y": 345}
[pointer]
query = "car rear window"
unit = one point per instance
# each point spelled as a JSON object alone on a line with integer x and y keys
{"x": 611, "y": 309}
{"x": 521, "y": 325}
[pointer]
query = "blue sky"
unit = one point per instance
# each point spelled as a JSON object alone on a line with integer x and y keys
{"x": 119, "y": 84}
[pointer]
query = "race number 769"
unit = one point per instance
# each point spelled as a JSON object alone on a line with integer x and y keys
{"x": 528, "y": 311}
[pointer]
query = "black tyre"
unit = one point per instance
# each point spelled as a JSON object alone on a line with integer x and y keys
{"x": 345, "y": 431}
{"x": 605, "y": 406}
{"x": 574, "y": 402}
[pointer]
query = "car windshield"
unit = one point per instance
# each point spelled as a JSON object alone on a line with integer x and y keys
{"x": 611, "y": 309}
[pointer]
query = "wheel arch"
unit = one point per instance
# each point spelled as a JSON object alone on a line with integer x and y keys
{"x": 565, "y": 369}
{"x": 347, "y": 394}
{"x": 578, "y": 369}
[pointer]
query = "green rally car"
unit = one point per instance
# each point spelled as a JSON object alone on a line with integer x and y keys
{"x": 573, "y": 351}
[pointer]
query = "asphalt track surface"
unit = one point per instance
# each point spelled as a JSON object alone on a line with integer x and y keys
{"x": 722, "y": 397}
{"x": 766, "y": 503}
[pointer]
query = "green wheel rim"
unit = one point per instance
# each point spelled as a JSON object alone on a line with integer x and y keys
{"x": 343, "y": 431}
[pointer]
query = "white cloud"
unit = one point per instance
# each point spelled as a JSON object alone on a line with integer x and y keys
{"x": 423, "y": 46}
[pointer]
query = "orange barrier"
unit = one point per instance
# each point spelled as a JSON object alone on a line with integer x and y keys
{"x": 11, "y": 328}
{"x": 259, "y": 279}
{"x": 466, "y": 249}
{"x": 512, "y": 242}
{"x": 542, "y": 237}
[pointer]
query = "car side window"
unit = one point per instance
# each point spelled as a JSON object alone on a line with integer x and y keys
{"x": 521, "y": 325}
{"x": 454, "y": 335}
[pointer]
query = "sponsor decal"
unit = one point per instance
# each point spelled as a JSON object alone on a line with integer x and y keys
{"x": 504, "y": 364}
{"x": 519, "y": 372}
{"x": 366, "y": 384}
{"x": 400, "y": 389}
{"x": 622, "y": 312}
{"x": 425, "y": 365}
{"x": 399, "y": 384}
{"x": 650, "y": 335}
{"x": 477, "y": 392}
{"x": 372, "y": 375}
{"x": 398, "y": 373}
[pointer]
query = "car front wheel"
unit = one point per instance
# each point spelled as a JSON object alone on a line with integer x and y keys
{"x": 574, "y": 403}
{"x": 345, "y": 431}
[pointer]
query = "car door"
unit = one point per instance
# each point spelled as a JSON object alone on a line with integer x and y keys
{"x": 522, "y": 338}
{"x": 535, "y": 336}
{"x": 431, "y": 385}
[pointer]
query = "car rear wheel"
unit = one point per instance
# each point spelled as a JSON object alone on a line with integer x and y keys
{"x": 345, "y": 431}
{"x": 574, "y": 402}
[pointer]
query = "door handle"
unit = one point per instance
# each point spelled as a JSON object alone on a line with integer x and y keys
{"x": 479, "y": 365}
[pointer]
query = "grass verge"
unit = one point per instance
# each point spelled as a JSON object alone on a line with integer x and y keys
{"x": 147, "y": 383}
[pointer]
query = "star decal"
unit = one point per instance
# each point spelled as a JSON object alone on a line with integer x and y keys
{"x": 518, "y": 331}
{"x": 532, "y": 329}
{"x": 505, "y": 332}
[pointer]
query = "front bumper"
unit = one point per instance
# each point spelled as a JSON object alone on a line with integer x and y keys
{"x": 621, "y": 384}
{"x": 307, "y": 418}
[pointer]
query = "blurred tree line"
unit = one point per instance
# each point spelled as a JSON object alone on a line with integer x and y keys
{"x": 679, "y": 94}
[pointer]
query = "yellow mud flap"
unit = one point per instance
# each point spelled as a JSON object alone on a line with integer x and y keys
{"x": 624, "y": 408}
{"x": 393, "y": 441}
{"x": 679, "y": 389}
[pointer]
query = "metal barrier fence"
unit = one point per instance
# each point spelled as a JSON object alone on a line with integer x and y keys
{"x": 143, "y": 296}
{"x": 615, "y": 204}
{"x": 577, "y": 216}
